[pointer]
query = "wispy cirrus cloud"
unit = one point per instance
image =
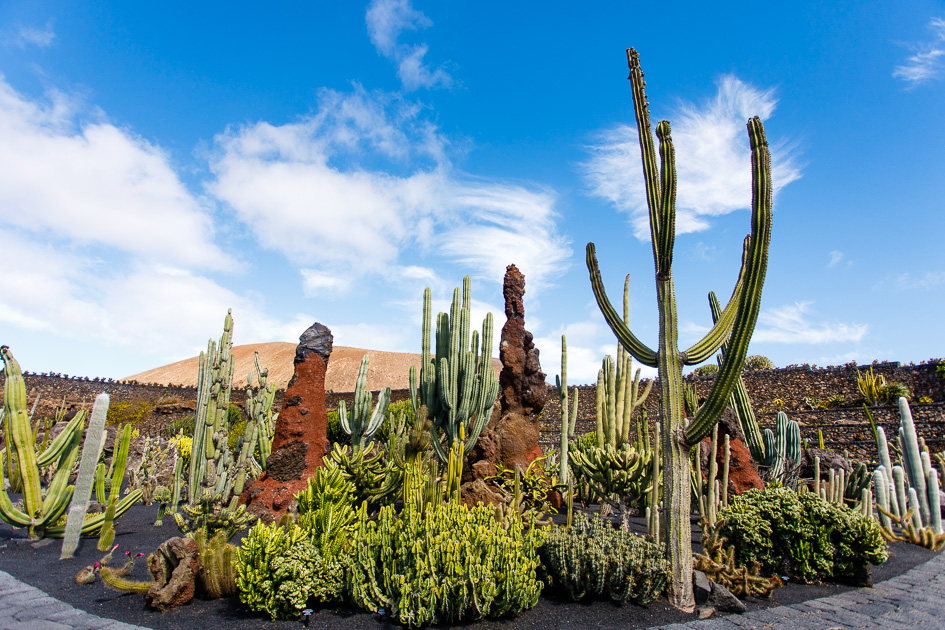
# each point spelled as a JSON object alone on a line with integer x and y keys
{"x": 386, "y": 21}
{"x": 928, "y": 59}
{"x": 32, "y": 36}
{"x": 347, "y": 191}
{"x": 791, "y": 324}
{"x": 911, "y": 282}
{"x": 712, "y": 159}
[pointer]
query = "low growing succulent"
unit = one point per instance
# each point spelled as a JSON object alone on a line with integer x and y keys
{"x": 447, "y": 564}
{"x": 801, "y": 535}
{"x": 591, "y": 558}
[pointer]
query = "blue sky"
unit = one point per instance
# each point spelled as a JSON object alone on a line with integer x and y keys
{"x": 302, "y": 161}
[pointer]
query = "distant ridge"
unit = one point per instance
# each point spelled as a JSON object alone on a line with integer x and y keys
{"x": 386, "y": 369}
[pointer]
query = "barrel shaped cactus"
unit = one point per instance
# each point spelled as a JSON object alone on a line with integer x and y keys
{"x": 457, "y": 386}
{"x": 735, "y": 324}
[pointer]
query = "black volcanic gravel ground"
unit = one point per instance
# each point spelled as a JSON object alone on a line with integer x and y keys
{"x": 38, "y": 564}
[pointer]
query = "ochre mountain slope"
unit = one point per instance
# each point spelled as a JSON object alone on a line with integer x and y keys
{"x": 386, "y": 369}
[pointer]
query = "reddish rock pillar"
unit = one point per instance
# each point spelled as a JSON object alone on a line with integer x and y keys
{"x": 301, "y": 435}
{"x": 513, "y": 438}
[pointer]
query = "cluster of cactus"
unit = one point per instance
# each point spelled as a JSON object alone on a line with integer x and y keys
{"x": 592, "y": 559}
{"x": 209, "y": 514}
{"x": 363, "y": 423}
{"x": 736, "y": 323}
{"x": 567, "y": 424}
{"x": 526, "y": 494}
{"x": 782, "y": 451}
{"x": 624, "y": 472}
{"x": 838, "y": 487}
{"x": 489, "y": 571}
{"x": 908, "y": 495}
{"x": 713, "y": 494}
{"x": 42, "y": 511}
{"x": 280, "y": 567}
{"x": 618, "y": 396}
{"x": 718, "y": 564}
{"x": 457, "y": 385}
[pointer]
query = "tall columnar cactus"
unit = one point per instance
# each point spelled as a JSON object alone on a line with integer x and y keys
{"x": 740, "y": 401}
{"x": 782, "y": 447}
{"x": 259, "y": 409}
{"x": 40, "y": 509}
{"x": 214, "y": 380}
{"x": 91, "y": 450}
{"x": 567, "y": 426}
{"x": 363, "y": 424}
{"x": 457, "y": 386}
{"x": 736, "y": 324}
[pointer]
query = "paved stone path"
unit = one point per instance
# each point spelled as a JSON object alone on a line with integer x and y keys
{"x": 915, "y": 599}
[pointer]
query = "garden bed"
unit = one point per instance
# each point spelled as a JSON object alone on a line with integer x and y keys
{"x": 38, "y": 564}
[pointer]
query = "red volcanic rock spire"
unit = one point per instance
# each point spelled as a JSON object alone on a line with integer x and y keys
{"x": 301, "y": 436}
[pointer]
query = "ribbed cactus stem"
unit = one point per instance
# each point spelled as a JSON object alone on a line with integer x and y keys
{"x": 740, "y": 401}
{"x": 881, "y": 490}
{"x": 562, "y": 385}
{"x": 912, "y": 458}
{"x": 817, "y": 475}
{"x": 725, "y": 468}
{"x": 917, "y": 520}
{"x": 214, "y": 381}
{"x": 91, "y": 449}
{"x": 935, "y": 502}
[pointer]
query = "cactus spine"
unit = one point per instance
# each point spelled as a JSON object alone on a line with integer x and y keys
{"x": 736, "y": 324}
{"x": 567, "y": 426}
{"x": 40, "y": 510}
{"x": 91, "y": 450}
{"x": 458, "y": 387}
{"x": 363, "y": 424}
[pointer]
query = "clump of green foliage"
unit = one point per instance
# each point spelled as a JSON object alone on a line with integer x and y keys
{"x": 801, "y": 535}
{"x": 121, "y": 412}
{"x": 445, "y": 564}
{"x": 593, "y": 559}
{"x": 758, "y": 362}
{"x": 706, "y": 370}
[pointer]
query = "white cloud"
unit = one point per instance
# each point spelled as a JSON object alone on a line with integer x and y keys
{"x": 386, "y": 21}
{"x": 96, "y": 184}
{"x": 789, "y": 324}
{"x": 928, "y": 60}
{"x": 349, "y": 189}
{"x": 712, "y": 160}
{"x": 908, "y": 282}
{"x": 162, "y": 312}
{"x": 835, "y": 258}
{"x": 32, "y": 36}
